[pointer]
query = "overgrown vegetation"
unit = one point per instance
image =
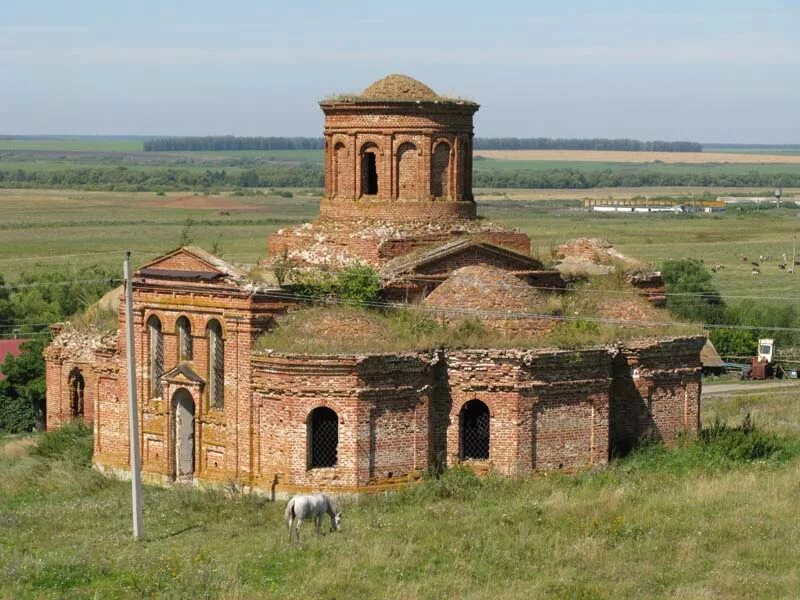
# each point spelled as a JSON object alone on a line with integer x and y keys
{"x": 712, "y": 523}
{"x": 692, "y": 295}
{"x": 27, "y": 308}
{"x": 357, "y": 285}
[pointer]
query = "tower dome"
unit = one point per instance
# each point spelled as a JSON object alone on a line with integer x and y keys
{"x": 398, "y": 87}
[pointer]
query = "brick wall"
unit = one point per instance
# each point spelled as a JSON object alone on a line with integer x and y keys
{"x": 655, "y": 391}
{"x": 423, "y": 152}
{"x": 397, "y": 414}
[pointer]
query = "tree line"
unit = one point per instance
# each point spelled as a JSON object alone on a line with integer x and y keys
{"x": 617, "y": 144}
{"x": 222, "y": 143}
{"x": 125, "y": 179}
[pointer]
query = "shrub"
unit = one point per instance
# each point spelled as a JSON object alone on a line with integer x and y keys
{"x": 701, "y": 300}
{"x": 744, "y": 443}
{"x": 71, "y": 443}
{"x": 358, "y": 285}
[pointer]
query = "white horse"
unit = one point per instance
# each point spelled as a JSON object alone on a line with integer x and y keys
{"x": 314, "y": 506}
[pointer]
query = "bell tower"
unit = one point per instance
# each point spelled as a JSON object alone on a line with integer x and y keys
{"x": 398, "y": 152}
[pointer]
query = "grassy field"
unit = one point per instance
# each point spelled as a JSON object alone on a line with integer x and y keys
{"x": 604, "y": 156}
{"x": 689, "y": 523}
{"x": 84, "y": 144}
{"x": 42, "y": 229}
{"x": 40, "y": 154}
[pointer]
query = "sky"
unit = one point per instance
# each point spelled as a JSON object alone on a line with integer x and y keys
{"x": 705, "y": 70}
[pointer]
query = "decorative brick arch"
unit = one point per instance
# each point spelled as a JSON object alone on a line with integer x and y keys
{"x": 322, "y": 427}
{"x": 408, "y": 171}
{"x": 441, "y": 169}
{"x": 341, "y": 169}
{"x": 370, "y": 172}
{"x": 77, "y": 387}
{"x": 474, "y": 430}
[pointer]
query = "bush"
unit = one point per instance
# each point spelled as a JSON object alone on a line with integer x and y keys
{"x": 71, "y": 443}
{"x": 359, "y": 285}
{"x": 743, "y": 443}
{"x": 701, "y": 301}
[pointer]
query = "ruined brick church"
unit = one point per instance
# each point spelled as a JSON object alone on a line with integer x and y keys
{"x": 398, "y": 197}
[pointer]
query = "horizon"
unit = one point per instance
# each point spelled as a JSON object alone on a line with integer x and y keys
{"x": 723, "y": 71}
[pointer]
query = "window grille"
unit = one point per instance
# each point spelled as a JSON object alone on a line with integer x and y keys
{"x": 475, "y": 431}
{"x": 184, "y": 339}
{"x": 216, "y": 365}
{"x": 156, "y": 356}
{"x": 76, "y": 387}
{"x": 323, "y": 438}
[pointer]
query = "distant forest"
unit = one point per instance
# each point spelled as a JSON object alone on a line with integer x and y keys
{"x": 584, "y": 144}
{"x": 231, "y": 143}
{"x": 308, "y": 175}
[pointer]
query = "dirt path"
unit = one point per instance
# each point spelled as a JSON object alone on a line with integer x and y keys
{"x": 726, "y": 388}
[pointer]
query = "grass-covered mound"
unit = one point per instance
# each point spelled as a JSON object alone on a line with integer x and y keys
{"x": 341, "y": 329}
{"x": 701, "y": 521}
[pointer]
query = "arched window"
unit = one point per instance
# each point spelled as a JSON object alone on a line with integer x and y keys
{"x": 340, "y": 170}
{"x": 184, "y": 339}
{"x": 76, "y": 386}
{"x": 369, "y": 170}
{"x": 156, "y": 362}
{"x": 440, "y": 171}
{"x": 216, "y": 365}
{"x": 407, "y": 174}
{"x": 323, "y": 438}
{"x": 474, "y": 425}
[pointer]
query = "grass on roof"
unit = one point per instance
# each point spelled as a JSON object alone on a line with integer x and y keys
{"x": 352, "y": 330}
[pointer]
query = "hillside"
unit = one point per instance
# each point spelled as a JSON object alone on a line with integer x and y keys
{"x": 697, "y": 523}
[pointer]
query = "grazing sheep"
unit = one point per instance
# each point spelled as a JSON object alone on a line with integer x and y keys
{"x": 755, "y": 271}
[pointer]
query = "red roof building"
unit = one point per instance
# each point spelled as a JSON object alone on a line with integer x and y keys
{"x": 9, "y": 347}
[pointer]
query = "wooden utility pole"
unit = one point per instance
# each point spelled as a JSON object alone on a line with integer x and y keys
{"x": 133, "y": 412}
{"x": 794, "y": 251}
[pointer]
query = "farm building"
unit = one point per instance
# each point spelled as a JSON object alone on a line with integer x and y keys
{"x": 218, "y": 404}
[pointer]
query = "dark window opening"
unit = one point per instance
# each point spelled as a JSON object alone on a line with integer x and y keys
{"x": 76, "y": 387}
{"x": 323, "y": 438}
{"x": 369, "y": 174}
{"x": 475, "y": 431}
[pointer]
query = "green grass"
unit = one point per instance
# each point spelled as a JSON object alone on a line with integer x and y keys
{"x": 51, "y": 224}
{"x": 492, "y": 164}
{"x": 659, "y": 524}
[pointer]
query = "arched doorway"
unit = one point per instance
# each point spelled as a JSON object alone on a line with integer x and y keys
{"x": 183, "y": 410}
{"x": 474, "y": 430}
{"x": 76, "y": 387}
{"x": 369, "y": 170}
